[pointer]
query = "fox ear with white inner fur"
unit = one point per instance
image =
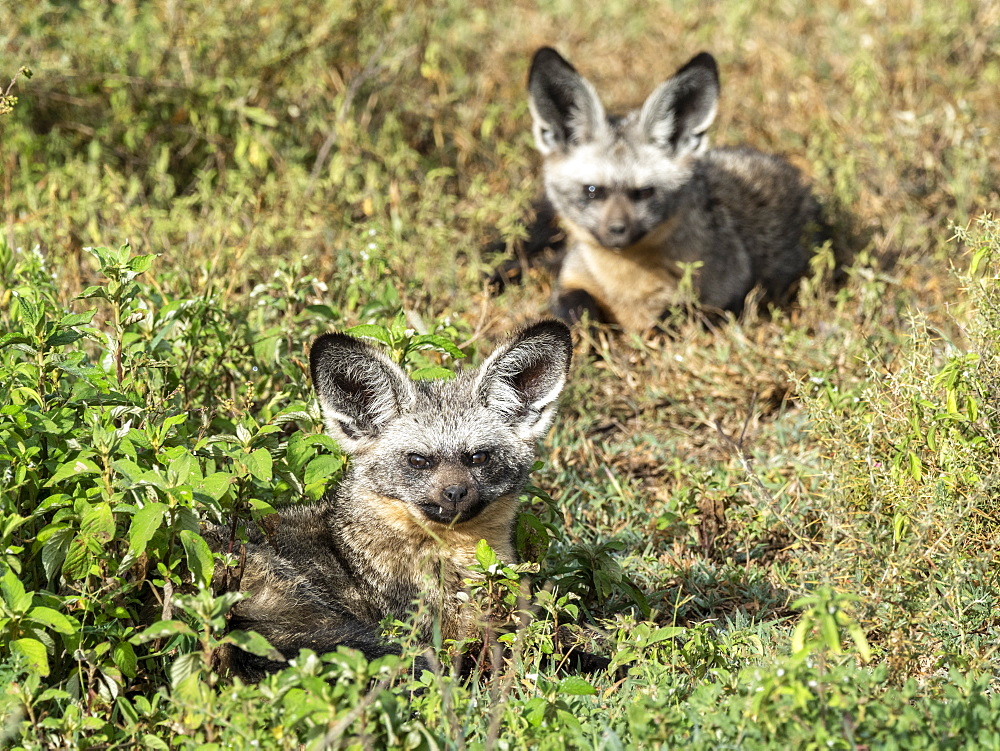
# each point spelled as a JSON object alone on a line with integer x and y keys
{"x": 359, "y": 388}
{"x": 522, "y": 379}
{"x": 680, "y": 110}
{"x": 564, "y": 106}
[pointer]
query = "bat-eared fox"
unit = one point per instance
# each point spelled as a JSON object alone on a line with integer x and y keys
{"x": 641, "y": 195}
{"x": 435, "y": 467}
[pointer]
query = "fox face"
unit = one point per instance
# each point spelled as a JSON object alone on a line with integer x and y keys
{"x": 447, "y": 450}
{"x": 619, "y": 178}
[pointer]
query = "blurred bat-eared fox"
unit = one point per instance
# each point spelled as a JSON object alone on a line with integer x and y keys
{"x": 435, "y": 466}
{"x": 641, "y": 195}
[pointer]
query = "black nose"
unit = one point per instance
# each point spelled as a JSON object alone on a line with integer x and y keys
{"x": 455, "y": 493}
{"x": 617, "y": 228}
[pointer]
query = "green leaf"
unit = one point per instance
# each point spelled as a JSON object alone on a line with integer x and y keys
{"x": 145, "y": 522}
{"x": 61, "y": 338}
{"x": 254, "y": 643}
{"x": 371, "y": 331}
{"x": 199, "y": 557}
{"x": 94, "y": 291}
{"x": 18, "y": 601}
{"x": 124, "y": 656}
{"x": 260, "y": 464}
{"x": 323, "y": 467}
{"x": 34, "y": 651}
{"x": 162, "y": 629}
{"x": 8, "y": 340}
{"x": 184, "y": 667}
{"x": 53, "y": 619}
{"x": 574, "y": 685}
{"x": 73, "y": 468}
{"x": 435, "y": 341}
{"x": 860, "y": 641}
{"x": 98, "y": 522}
{"x": 141, "y": 264}
{"x": 215, "y": 486}
{"x": 431, "y": 373}
{"x": 830, "y": 632}
{"x": 30, "y": 313}
{"x": 77, "y": 558}
{"x": 179, "y": 469}
{"x": 663, "y": 634}
{"x": 54, "y": 552}
{"x": 799, "y": 634}
{"x": 485, "y": 555}
{"x": 76, "y": 319}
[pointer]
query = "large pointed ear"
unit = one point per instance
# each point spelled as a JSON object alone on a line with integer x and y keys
{"x": 359, "y": 388}
{"x": 563, "y": 104}
{"x": 679, "y": 111}
{"x": 522, "y": 379}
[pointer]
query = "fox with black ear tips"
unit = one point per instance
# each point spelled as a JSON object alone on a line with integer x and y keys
{"x": 435, "y": 467}
{"x": 641, "y": 195}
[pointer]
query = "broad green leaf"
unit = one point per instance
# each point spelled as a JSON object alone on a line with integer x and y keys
{"x": 199, "y": 557}
{"x": 574, "y": 685}
{"x": 73, "y": 468}
{"x": 154, "y": 742}
{"x": 485, "y": 555}
{"x": 10, "y": 339}
{"x": 162, "y": 629}
{"x": 215, "y": 486}
{"x": 322, "y": 467}
{"x": 145, "y": 522}
{"x": 799, "y": 635}
{"x": 53, "y": 619}
{"x": 18, "y": 601}
{"x": 30, "y": 312}
{"x": 860, "y": 641}
{"x": 260, "y": 464}
{"x": 435, "y": 341}
{"x": 184, "y": 667}
{"x": 179, "y": 469}
{"x": 663, "y": 634}
{"x": 141, "y": 264}
{"x": 124, "y": 656}
{"x": 76, "y": 319}
{"x": 98, "y": 522}
{"x": 59, "y": 339}
{"x": 830, "y": 632}
{"x": 34, "y": 651}
{"x": 54, "y": 552}
{"x": 431, "y": 373}
{"x": 254, "y": 643}
{"x": 77, "y": 558}
{"x": 94, "y": 291}
{"x": 371, "y": 331}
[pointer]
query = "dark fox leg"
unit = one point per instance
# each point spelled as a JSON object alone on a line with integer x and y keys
{"x": 570, "y": 306}
{"x": 544, "y": 233}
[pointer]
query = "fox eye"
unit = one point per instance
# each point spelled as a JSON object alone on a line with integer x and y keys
{"x": 419, "y": 462}
{"x": 641, "y": 194}
{"x": 480, "y": 457}
{"x": 595, "y": 192}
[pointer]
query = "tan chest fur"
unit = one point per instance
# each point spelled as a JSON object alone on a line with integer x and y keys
{"x": 634, "y": 285}
{"x": 435, "y": 558}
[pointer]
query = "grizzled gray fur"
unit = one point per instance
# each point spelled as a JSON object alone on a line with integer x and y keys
{"x": 435, "y": 466}
{"x": 641, "y": 194}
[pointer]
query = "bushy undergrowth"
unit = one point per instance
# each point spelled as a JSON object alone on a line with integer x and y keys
{"x": 783, "y": 531}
